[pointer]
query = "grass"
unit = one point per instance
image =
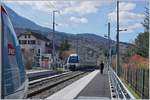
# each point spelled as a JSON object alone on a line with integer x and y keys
{"x": 60, "y": 69}
{"x": 131, "y": 90}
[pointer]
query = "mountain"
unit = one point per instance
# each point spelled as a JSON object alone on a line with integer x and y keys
{"x": 24, "y": 23}
{"x": 89, "y": 46}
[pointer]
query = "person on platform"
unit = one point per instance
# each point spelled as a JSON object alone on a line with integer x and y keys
{"x": 101, "y": 67}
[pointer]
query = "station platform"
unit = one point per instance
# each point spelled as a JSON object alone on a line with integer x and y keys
{"x": 93, "y": 86}
{"x": 37, "y": 74}
{"x": 35, "y": 71}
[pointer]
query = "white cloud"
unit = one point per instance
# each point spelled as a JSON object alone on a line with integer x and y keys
{"x": 39, "y": 5}
{"x": 83, "y": 8}
{"x": 126, "y": 6}
{"x": 66, "y": 7}
{"x": 126, "y": 13}
{"x": 125, "y": 16}
{"x": 78, "y": 20}
{"x": 132, "y": 28}
{"x": 128, "y": 19}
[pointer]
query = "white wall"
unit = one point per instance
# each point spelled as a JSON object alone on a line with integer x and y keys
{"x": 40, "y": 44}
{"x": 22, "y": 37}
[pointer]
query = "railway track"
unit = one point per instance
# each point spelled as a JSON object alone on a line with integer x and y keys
{"x": 46, "y": 87}
{"x": 38, "y": 81}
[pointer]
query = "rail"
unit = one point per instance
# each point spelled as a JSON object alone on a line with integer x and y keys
{"x": 37, "y": 89}
{"x": 46, "y": 78}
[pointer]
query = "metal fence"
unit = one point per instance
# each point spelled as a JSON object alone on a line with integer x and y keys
{"x": 118, "y": 88}
{"x": 138, "y": 78}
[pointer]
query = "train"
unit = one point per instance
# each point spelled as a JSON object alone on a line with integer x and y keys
{"x": 73, "y": 62}
{"x": 14, "y": 81}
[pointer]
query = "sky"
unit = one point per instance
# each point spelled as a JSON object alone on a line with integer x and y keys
{"x": 85, "y": 16}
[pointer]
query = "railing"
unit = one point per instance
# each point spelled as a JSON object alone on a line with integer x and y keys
{"x": 118, "y": 89}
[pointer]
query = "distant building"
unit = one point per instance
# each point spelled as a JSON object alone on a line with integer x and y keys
{"x": 39, "y": 46}
{"x": 37, "y": 43}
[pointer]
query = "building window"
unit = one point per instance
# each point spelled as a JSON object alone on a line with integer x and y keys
{"x": 28, "y": 35}
{"x": 39, "y": 51}
{"x": 19, "y": 41}
{"x": 25, "y": 36}
{"x": 24, "y": 42}
{"x": 28, "y": 41}
{"x": 32, "y": 41}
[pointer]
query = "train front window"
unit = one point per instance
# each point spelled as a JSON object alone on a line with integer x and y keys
{"x": 73, "y": 59}
{"x": 13, "y": 74}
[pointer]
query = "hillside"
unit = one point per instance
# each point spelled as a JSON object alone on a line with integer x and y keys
{"x": 91, "y": 47}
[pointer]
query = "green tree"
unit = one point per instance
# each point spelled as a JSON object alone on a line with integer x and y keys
{"x": 145, "y": 23}
{"x": 142, "y": 44}
{"x": 142, "y": 40}
{"x": 64, "y": 45}
{"x": 130, "y": 51}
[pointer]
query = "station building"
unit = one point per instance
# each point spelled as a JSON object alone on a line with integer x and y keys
{"x": 36, "y": 47}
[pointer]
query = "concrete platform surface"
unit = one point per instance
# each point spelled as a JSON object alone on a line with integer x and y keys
{"x": 71, "y": 91}
{"x": 98, "y": 88}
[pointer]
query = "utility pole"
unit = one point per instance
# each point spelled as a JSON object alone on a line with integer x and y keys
{"x": 109, "y": 45}
{"x": 117, "y": 46}
{"x": 77, "y": 44}
{"x": 53, "y": 38}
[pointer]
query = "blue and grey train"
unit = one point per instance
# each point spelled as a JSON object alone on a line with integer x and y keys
{"x": 14, "y": 82}
{"x": 73, "y": 62}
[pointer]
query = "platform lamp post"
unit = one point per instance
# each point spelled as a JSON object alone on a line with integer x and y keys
{"x": 117, "y": 44}
{"x": 117, "y": 38}
{"x": 118, "y": 69}
{"x": 109, "y": 49}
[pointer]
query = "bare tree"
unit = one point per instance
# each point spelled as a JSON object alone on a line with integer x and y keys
{"x": 28, "y": 57}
